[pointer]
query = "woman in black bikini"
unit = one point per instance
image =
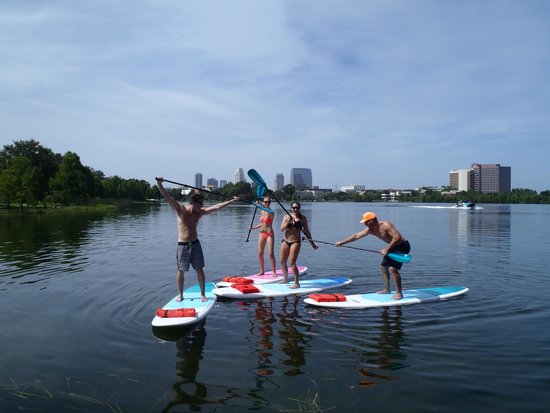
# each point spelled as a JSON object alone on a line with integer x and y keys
{"x": 292, "y": 226}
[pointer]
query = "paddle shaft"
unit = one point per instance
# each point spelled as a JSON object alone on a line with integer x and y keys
{"x": 218, "y": 193}
{"x": 396, "y": 256}
{"x": 251, "y": 223}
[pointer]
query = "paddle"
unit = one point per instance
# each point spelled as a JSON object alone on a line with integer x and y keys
{"x": 220, "y": 194}
{"x": 260, "y": 190}
{"x": 256, "y": 177}
{"x": 396, "y": 256}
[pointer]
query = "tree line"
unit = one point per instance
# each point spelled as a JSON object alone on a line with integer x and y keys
{"x": 31, "y": 174}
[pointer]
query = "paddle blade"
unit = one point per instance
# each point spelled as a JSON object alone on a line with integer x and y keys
{"x": 256, "y": 177}
{"x": 266, "y": 209}
{"x": 260, "y": 191}
{"x": 400, "y": 257}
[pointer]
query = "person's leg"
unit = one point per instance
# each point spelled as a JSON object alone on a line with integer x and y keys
{"x": 294, "y": 251}
{"x": 202, "y": 278}
{"x": 385, "y": 279}
{"x": 283, "y": 256}
{"x": 397, "y": 279}
{"x": 179, "y": 282}
{"x": 271, "y": 253}
{"x": 261, "y": 248}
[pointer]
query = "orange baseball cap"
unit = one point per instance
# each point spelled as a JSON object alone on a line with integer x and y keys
{"x": 367, "y": 216}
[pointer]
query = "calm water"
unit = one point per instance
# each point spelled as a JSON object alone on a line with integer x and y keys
{"x": 78, "y": 293}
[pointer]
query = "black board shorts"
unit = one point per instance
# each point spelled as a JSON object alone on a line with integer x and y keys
{"x": 403, "y": 247}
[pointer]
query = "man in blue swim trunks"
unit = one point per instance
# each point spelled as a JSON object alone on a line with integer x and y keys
{"x": 189, "y": 247}
{"x": 386, "y": 231}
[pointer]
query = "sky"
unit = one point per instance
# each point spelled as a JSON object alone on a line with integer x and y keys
{"x": 386, "y": 94}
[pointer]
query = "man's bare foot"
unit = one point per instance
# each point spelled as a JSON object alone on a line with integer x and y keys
{"x": 295, "y": 285}
{"x": 179, "y": 298}
{"x": 384, "y": 291}
{"x": 397, "y": 296}
{"x": 204, "y": 299}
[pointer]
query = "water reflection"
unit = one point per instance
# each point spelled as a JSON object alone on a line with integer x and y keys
{"x": 35, "y": 246}
{"x": 385, "y": 351}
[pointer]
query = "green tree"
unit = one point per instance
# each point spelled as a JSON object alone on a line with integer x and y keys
{"x": 71, "y": 184}
{"x": 20, "y": 182}
{"x": 43, "y": 158}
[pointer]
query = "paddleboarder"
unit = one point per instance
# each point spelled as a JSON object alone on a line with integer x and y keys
{"x": 266, "y": 237}
{"x": 387, "y": 232}
{"x": 293, "y": 224}
{"x": 189, "y": 251}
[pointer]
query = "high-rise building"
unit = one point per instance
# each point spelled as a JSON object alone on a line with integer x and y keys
{"x": 484, "y": 178}
{"x": 198, "y": 180}
{"x": 239, "y": 175}
{"x": 212, "y": 183}
{"x": 223, "y": 183}
{"x": 489, "y": 178}
{"x": 279, "y": 182}
{"x": 301, "y": 178}
{"x": 462, "y": 179}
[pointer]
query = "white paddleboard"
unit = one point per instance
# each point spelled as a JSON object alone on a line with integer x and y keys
{"x": 267, "y": 278}
{"x": 191, "y": 300}
{"x": 421, "y": 295}
{"x": 279, "y": 290}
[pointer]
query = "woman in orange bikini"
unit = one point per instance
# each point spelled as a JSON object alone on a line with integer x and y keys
{"x": 266, "y": 237}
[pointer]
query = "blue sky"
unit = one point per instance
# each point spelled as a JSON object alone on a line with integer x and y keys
{"x": 387, "y": 94}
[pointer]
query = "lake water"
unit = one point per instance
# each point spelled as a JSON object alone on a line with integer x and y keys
{"x": 78, "y": 293}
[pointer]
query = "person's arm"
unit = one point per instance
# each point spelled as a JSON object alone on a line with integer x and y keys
{"x": 171, "y": 201}
{"x": 221, "y": 205}
{"x": 396, "y": 238}
{"x": 353, "y": 237}
{"x": 307, "y": 232}
{"x": 286, "y": 221}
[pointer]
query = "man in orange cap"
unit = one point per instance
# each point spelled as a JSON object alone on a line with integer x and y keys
{"x": 386, "y": 231}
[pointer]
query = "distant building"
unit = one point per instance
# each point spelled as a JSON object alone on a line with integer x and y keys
{"x": 490, "y": 178}
{"x": 484, "y": 178}
{"x": 279, "y": 182}
{"x": 301, "y": 178}
{"x": 352, "y": 188}
{"x": 212, "y": 183}
{"x": 198, "y": 180}
{"x": 239, "y": 176}
{"x": 462, "y": 180}
{"x": 223, "y": 183}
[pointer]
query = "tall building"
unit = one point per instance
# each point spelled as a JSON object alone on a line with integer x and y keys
{"x": 489, "y": 178}
{"x": 239, "y": 175}
{"x": 223, "y": 183}
{"x": 484, "y": 178}
{"x": 212, "y": 183}
{"x": 198, "y": 180}
{"x": 301, "y": 178}
{"x": 279, "y": 182}
{"x": 462, "y": 179}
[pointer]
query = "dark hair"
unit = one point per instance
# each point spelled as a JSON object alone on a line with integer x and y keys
{"x": 196, "y": 197}
{"x": 296, "y": 202}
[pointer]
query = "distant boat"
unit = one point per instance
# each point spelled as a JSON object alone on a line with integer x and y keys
{"x": 465, "y": 205}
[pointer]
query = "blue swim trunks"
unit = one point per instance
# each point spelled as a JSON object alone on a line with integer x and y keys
{"x": 189, "y": 253}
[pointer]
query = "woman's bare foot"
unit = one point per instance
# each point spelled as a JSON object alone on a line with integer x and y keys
{"x": 204, "y": 299}
{"x": 295, "y": 285}
{"x": 384, "y": 291}
{"x": 283, "y": 281}
{"x": 397, "y": 296}
{"x": 179, "y": 298}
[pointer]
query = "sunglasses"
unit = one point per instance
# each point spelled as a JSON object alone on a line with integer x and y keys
{"x": 295, "y": 207}
{"x": 267, "y": 202}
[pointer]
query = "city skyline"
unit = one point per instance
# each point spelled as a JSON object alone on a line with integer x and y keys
{"x": 382, "y": 94}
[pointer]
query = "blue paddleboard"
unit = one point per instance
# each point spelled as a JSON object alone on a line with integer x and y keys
{"x": 191, "y": 300}
{"x": 420, "y": 295}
